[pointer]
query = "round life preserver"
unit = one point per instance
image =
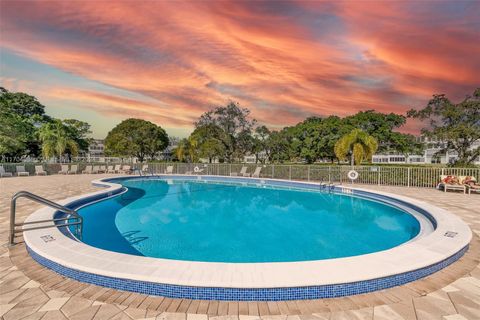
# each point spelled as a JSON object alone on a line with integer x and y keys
{"x": 352, "y": 175}
{"x": 196, "y": 169}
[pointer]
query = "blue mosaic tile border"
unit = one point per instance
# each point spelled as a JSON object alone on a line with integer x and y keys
{"x": 247, "y": 294}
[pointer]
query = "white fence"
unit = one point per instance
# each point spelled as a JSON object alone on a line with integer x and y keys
{"x": 381, "y": 175}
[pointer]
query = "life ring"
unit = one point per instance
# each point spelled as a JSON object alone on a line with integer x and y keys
{"x": 196, "y": 169}
{"x": 352, "y": 175}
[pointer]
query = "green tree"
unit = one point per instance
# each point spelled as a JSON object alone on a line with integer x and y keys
{"x": 187, "y": 150}
{"x": 235, "y": 125}
{"x": 359, "y": 144}
{"x": 20, "y": 116}
{"x": 207, "y": 138}
{"x": 136, "y": 138}
{"x": 79, "y": 131}
{"x": 56, "y": 139}
{"x": 456, "y": 124}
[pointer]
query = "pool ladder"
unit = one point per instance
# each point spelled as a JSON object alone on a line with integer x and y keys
{"x": 330, "y": 187}
{"x": 72, "y": 215}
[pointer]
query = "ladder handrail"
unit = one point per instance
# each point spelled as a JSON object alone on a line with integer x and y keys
{"x": 38, "y": 199}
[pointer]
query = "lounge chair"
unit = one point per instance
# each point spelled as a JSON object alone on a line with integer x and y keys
{"x": 110, "y": 169}
{"x": 169, "y": 170}
{"x": 117, "y": 168}
{"x": 451, "y": 182}
{"x": 102, "y": 169}
{"x": 96, "y": 169}
{"x": 73, "y": 169}
{"x": 39, "y": 171}
{"x": 88, "y": 169}
{"x": 3, "y": 173}
{"x": 243, "y": 172}
{"x": 64, "y": 169}
{"x": 125, "y": 169}
{"x": 21, "y": 171}
{"x": 472, "y": 184}
{"x": 256, "y": 173}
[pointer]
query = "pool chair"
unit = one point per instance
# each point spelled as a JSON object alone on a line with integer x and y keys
{"x": 64, "y": 169}
{"x": 39, "y": 171}
{"x": 21, "y": 171}
{"x": 102, "y": 169}
{"x": 117, "y": 168}
{"x": 472, "y": 184}
{"x": 256, "y": 173}
{"x": 88, "y": 169}
{"x": 451, "y": 182}
{"x": 3, "y": 173}
{"x": 96, "y": 169}
{"x": 73, "y": 169}
{"x": 243, "y": 172}
{"x": 169, "y": 170}
{"x": 110, "y": 169}
{"x": 125, "y": 169}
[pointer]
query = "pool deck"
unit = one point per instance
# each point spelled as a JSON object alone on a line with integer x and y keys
{"x": 29, "y": 291}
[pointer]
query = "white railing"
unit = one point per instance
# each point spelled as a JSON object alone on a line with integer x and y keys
{"x": 380, "y": 175}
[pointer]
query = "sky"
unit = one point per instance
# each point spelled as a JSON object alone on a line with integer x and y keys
{"x": 170, "y": 61}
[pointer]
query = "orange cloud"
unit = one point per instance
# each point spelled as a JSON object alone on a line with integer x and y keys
{"x": 288, "y": 59}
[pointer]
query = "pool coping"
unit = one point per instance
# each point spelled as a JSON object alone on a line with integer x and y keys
{"x": 294, "y": 279}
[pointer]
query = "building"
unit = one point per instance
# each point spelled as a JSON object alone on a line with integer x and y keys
{"x": 429, "y": 156}
{"x": 96, "y": 151}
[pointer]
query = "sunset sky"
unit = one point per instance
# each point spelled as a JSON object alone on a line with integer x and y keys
{"x": 168, "y": 62}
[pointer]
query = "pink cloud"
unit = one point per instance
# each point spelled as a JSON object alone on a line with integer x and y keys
{"x": 273, "y": 59}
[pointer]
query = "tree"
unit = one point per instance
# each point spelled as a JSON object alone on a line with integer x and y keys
{"x": 381, "y": 126}
{"x": 56, "y": 139}
{"x": 79, "y": 132}
{"x": 456, "y": 124}
{"x": 359, "y": 144}
{"x": 207, "y": 138}
{"x": 136, "y": 138}
{"x": 20, "y": 116}
{"x": 187, "y": 150}
{"x": 235, "y": 126}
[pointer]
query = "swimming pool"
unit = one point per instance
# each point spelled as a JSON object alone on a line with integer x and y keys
{"x": 234, "y": 238}
{"x": 212, "y": 221}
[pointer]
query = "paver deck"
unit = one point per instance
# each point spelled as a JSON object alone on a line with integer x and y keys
{"x": 29, "y": 291}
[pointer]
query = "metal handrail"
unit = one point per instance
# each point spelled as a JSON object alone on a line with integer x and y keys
{"x": 25, "y": 194}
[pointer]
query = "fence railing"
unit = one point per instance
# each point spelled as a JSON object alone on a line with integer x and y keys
{"x": 380, "y": 175}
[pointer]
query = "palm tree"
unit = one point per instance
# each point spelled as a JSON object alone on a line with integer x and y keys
{"x": 359, "y": 144}
{"x": 56, "y": 140}
{"x": 187, "y": 150}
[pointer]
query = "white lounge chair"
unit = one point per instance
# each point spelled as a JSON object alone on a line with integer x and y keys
{"x": 125, "y": 169}
{"x": 117, "y": 168}
{"x": 110, "y": 169}
{"x": 256, "y": 173}
{"x": 21, "y": 171}
{"x": 3, "y": 173}
{"x": 88, "y": 169}
{"x": 102, "y": 169}
{"x": 243, "y": 172}
{"x": 96, "y": 169}
{"x": 169, "y": 170}
{"x": 455, "y": 184}
{"x": 39, "y": 171}
{"x": 73, "y": 169}
{"x": 64, "y": 169}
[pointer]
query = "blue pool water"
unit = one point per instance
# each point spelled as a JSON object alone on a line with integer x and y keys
{"x": 198, "y": 221}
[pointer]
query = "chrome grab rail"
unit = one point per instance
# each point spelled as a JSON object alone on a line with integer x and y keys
{"x": 25, "y": 194}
